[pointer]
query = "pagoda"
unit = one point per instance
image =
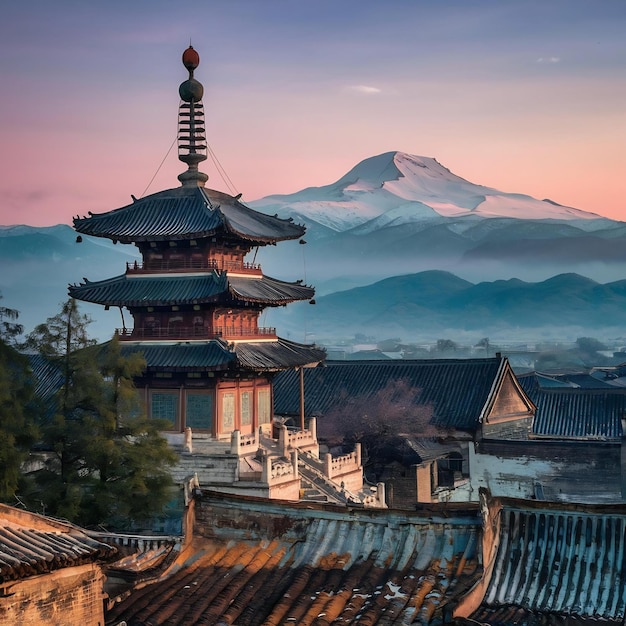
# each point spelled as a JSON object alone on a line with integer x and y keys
{"x": 194, "y": 299}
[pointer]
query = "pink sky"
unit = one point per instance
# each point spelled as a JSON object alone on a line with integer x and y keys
{"x": 525, "y": 97}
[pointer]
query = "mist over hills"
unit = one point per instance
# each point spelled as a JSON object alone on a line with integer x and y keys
{"x": 397, "y": 213}
{"x": 397, "y": 246}
{"x": 435, "y": 304}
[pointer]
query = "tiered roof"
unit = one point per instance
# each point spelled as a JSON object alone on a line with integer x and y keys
{"x": 187, "y": 213}
{"x": 160, "y": 290}
{"x": 205, "y": 218}
{"x": 216, "y": 354}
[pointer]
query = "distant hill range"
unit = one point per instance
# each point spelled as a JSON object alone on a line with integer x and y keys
{"x": 436, "y": 304}
{"x": 399, "y": 214}
{"x": 393, "y": 216}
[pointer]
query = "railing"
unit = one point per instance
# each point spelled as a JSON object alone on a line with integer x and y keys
{"x": 185, "y": 265}
{"x": 194, "y": 332}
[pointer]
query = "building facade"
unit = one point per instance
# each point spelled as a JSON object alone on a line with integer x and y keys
{"x": 195, "y": 299}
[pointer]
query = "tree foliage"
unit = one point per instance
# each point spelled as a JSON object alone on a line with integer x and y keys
{"x": 10, "y": 330}
{"x": 446, "y": 345}
{"x": 379, "y": 421}
{"x": 108, "y": 462}
{"x": 589, "y": 345}
{"x": 17, "y": 426}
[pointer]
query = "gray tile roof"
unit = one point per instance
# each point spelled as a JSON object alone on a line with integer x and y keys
{"x": 47, "y": 375}
{"x": 457, "y": 389}
{"x": 559, "y": 560}
{"x": 277, "y": 355}
{"x": 30, "y": 545}
{"x": 187, "y": 213}
{"x": 566, "y": 410}
{"x": 147, "y": 290}
{"x": 217, "y": 355}
{"x": 210, "y": 355}
{"x": 579, "y": 414}
{"x": 320, "y": 566}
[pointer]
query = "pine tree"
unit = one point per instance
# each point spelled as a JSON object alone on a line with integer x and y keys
{"x": 17, "y": 426}
{"x": 10, "y": 330}
{"x": 109, "y": 462}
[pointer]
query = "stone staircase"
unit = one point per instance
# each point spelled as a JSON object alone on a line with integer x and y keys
{"x": 315, "y": 486}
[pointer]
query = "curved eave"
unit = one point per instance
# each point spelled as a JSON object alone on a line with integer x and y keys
{"x": 273, "y": 356}
{"x": 151, "y": 291}
{"x": 187, "y": 213}
{"x": 184, "y": 357}
{"x": 267, "y": 290}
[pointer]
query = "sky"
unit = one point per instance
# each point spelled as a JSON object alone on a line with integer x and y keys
{"x": 526, "y": 96}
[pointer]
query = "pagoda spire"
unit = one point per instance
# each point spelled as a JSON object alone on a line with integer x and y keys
{"x": 191, "y": 132}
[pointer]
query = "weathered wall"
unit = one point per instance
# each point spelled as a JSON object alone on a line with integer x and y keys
{"x": 66, "y": 597}
{"x": 400, "y": 486}
{"x": 423, "y": 478}
{"x": 582, "y": 472}
{"x": 518, "y": 429}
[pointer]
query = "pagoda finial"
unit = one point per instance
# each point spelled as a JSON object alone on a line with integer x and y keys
{"x": 191, "y": 132}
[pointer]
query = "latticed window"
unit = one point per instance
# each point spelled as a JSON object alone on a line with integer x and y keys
{"x": 265, "y": 409}
{"x": 164, "y": 405}
{"x": 246, "y": 408}
{"x": 228, "y": 411}
{"x": 199, "y": 414}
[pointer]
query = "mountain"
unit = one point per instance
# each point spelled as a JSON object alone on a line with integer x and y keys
{"x": 395, "y": 188}
{"x": 434, "y": 304}
{"x": 38, "y": 263}
{"x": 398, "y": 213}
{"x": 393, "y": 216}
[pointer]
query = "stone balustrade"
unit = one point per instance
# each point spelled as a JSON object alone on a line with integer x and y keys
{"x": 279, "y": 471}
{"x": 241, "y": 445}
{"x": 335, "y": 466}
{"x": 298, "y": 439}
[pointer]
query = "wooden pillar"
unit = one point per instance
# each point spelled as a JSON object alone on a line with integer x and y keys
{"x": 301, "y": 398}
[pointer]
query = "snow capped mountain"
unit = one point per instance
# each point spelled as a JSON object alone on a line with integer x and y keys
{"x": 398, "y": 188}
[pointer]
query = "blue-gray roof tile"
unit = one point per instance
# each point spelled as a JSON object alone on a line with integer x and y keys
{"x": 147, "y": 290}
{"x": 456, "y": 389}
{"x": 187, "y": 213}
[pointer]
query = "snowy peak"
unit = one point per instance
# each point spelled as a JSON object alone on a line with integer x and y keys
{"x": 416, "y": 187}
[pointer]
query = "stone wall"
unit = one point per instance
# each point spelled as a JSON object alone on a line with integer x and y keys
{"x": 66, "y": 597}
{"x": 586, "y": 472}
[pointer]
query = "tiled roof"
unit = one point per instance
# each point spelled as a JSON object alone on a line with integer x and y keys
{"x": 217, "y": 355}
{"x": 584, "y": 381}
{"x": 557, "y": 561}
{"x": 277, "y": 355}
{"x": 47, "y": 376}
{"x": 150, "y": 290}
{"x": 343, "y": 567}
{"x": 268, "y": 290}
{"x": 579, "y": 414}
{"x": 456, "y": 389}
{"x": 566, "y": 410}
{"x": 146, "y": 290}
{"x": 30, "y": 545}
{"x": 534, "y": 381}
{"x": 187, "y": 213}
{"x": 210, "y": 355}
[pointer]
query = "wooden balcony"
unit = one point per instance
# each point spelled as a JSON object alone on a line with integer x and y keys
{"x": 190, "y": 332}
{"x": 190, "y": 265}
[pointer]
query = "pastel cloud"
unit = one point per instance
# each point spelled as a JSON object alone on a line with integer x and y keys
{"x": 364, "y": 89}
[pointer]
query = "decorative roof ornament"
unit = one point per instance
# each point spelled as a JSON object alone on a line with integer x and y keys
{"x": 192, "y": 147}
